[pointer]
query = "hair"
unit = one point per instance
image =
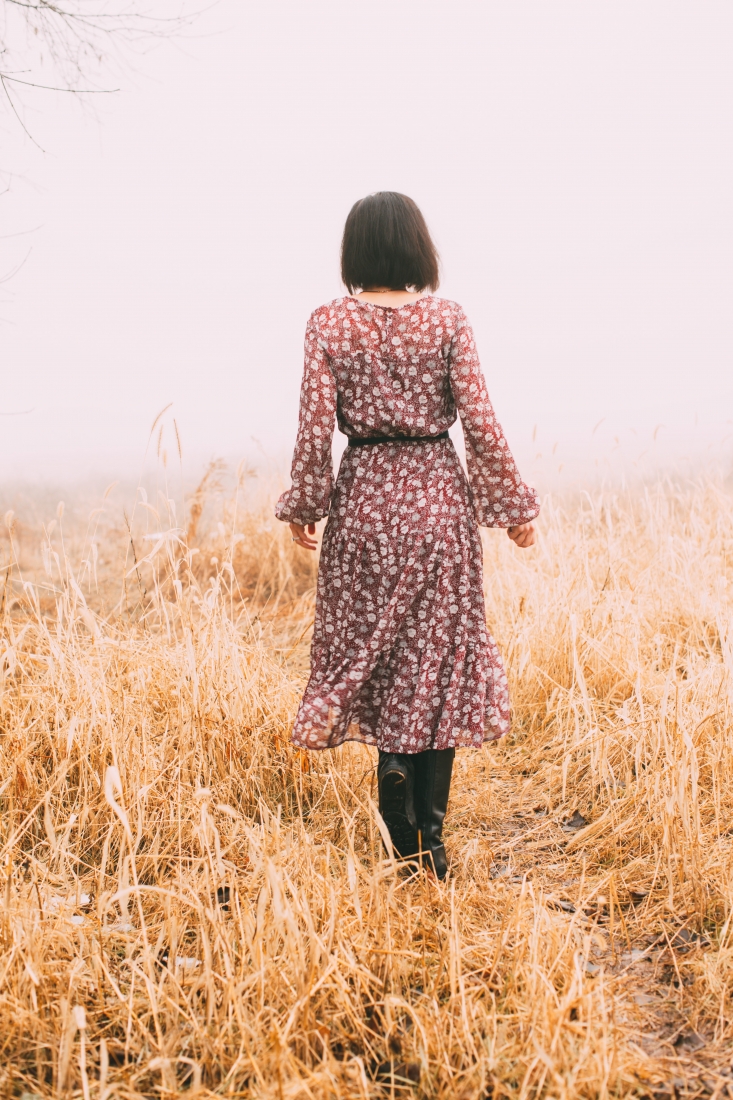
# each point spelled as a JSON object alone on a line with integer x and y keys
{"x": 386, "y": 243}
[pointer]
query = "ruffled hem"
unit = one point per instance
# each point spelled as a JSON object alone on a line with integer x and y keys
{"x": 354, "y": 733}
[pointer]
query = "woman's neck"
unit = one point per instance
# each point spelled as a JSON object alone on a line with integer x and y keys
{"x": 383, "y": 296}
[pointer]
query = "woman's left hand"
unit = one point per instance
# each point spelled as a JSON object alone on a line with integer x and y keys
{"x": 303, "y": 535}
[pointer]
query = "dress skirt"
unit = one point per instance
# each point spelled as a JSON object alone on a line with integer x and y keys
{"x": 401, "y": 655}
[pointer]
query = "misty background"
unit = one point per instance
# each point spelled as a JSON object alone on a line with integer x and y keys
{"x": 573, "y": 160}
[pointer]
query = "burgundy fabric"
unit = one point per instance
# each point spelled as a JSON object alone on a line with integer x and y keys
{"x": 401, "y": 656}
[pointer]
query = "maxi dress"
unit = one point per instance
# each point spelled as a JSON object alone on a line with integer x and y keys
{"x": 401, "y": 655}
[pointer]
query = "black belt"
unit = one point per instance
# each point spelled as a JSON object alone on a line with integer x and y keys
{"x": 371, "y": 440}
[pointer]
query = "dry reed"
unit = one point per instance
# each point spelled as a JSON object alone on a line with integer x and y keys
{"x": 192, "y": 907}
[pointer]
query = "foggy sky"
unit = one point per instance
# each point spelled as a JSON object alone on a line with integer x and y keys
{"x": 573, "y": 161}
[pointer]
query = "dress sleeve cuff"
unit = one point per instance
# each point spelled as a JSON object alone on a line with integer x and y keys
{"x": 510, "y": 513}
{"x": 289, "y": 511}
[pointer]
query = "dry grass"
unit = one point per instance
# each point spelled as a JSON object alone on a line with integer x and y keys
{"x": 190, "y": 906}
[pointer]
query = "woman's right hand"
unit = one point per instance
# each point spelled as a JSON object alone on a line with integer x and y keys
{"x": 524, "y": 534}
{"x": 303, "y": 535}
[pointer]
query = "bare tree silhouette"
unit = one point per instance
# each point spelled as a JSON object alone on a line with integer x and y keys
{"x": 75, "y": 46}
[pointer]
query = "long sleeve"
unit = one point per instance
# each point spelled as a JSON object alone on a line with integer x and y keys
{"x": 311, "y": 472}
{"x": 500, "y": 497}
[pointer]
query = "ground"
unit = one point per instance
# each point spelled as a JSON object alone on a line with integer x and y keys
{"x": 192, "y": 906}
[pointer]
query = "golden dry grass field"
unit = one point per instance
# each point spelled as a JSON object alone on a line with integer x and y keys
{"x": 190, "y": 907}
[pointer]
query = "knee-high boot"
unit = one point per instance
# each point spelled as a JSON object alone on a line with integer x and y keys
{"x": 433, "y": 769}
{"x": 396, "y": 781}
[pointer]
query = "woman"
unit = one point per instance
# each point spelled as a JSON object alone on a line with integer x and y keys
{"x": 401, "y": 657}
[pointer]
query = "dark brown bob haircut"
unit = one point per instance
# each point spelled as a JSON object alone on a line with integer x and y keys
{"x": 386, "y": 243}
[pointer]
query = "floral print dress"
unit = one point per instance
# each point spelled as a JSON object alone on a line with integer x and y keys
{"x": 401, "y": 655}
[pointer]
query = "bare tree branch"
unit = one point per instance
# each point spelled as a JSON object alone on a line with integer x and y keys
{"x": 14, "y": 109}
{"x": 51, "y": 88}
{"x": 10, "y": 274}
{"x": 78, "y": 40}
{"x": 71, "y": 46}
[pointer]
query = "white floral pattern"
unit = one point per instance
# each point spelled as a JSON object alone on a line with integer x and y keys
{"x": 401, "y": 656}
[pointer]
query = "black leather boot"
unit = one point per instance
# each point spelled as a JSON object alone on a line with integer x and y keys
{"x": 396, "y": 780}
{"x": 433, "y": 769}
